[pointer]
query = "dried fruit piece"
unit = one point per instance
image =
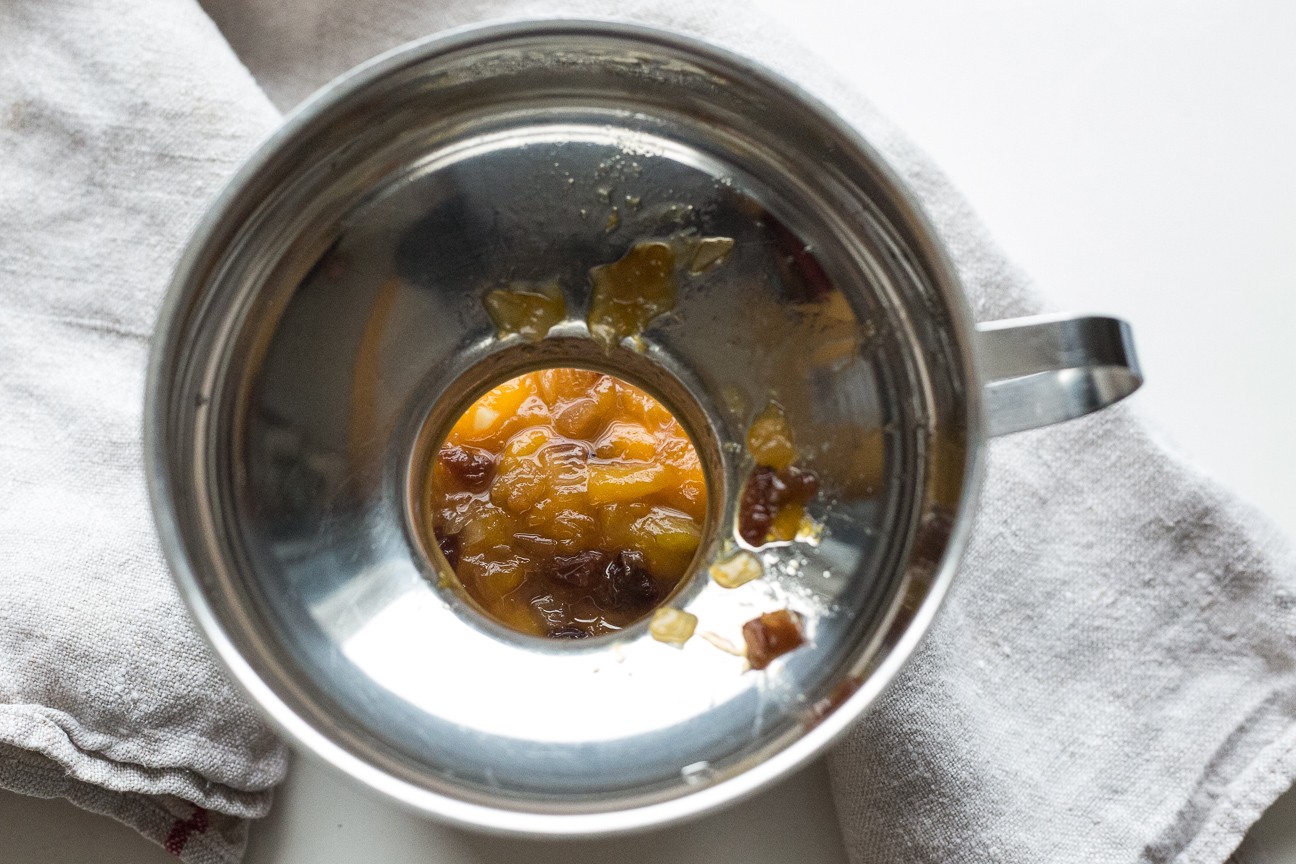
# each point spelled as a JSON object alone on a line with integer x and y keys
{"x": 771, "y": 635}
{"x": 673, "y": 626}
{"x": 770, "y": 438}
{"x": 757, "y": 506}
{"x": 767, "y": 492}
{"x": 627, "y": 584}
{"x": 737, "y": 570}
{"x": 471, "y": 469}
{"x": 582, "y": 570}
{"x": 611, "y": 482}
{"x": 710, "y": 252}
{"x": 449, "y": 546}
{"x": 526, "y": 310}
{"x": 631, "y": 292}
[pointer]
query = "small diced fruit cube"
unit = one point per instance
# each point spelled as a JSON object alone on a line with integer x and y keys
{"x": 490, "y": 412}
{"x": 565, "y": 464}
{"x": 740, "y": 569}
{"x": 770, "y": 438}
{"x": 643, "y": 407}
{"x": 486, "y": 528}
{"x": 626, "y": 441}
{"x": 771, "y": 635}
{"x": 611, "y": 482}
{"x": 586, "y": 417}
{"x": 668, "y": 539}
{"x": 527, "y": 310}
{"x": 521, "y": 482}
{"x": 786, "y": 523}
{"x": 528, "y": 441}
{"x": 565, "y": 384}
{"x": 673, "y": 626}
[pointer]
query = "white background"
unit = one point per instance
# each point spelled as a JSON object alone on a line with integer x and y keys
{"x": 1136, "y": 158}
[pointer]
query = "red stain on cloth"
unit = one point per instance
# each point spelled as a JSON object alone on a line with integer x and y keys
{"x": 183, "y": 829}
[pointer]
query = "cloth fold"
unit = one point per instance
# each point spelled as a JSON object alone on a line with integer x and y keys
{"x": 118, "y": 122}
{"x": 1113, "y": 676}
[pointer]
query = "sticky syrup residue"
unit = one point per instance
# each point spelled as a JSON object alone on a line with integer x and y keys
{"x": 631, "y": 292}
{"x": 772, "y": 507}
{"x": 527, "y": 310}
{"x": 710, "y": 252}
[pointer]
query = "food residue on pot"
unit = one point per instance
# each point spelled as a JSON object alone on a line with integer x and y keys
{"x": 772, "y": 507}
{"x": 529, "y": 311}
{"x": 568, "y": 502}
{"x": 771, "y": 635}
{"x": 629, "y": 293}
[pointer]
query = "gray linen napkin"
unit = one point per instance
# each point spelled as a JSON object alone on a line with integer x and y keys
{"x": 1112, "y": 676}
{"x": 118, "y": 122}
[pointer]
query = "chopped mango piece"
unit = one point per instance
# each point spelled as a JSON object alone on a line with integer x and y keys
{"x": 528, "y": 441}
{"x": 610, "y": 482}
{"x": 786, "y": 524}
{"x": 629, "y": 293}
{"x": 673, "y": 626}
{"x": 490, "y": 412}
{"x": 526, "y": 310}
{"x": 626, "y": 441}
{"x": 770, "y": 438}
{"x": 740, "y": 569}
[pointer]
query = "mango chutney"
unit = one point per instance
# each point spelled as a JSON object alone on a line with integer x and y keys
{"x": 568, "y": 502}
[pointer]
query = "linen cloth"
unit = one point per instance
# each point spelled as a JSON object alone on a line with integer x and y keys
{"x": 1112, "y": 677}
{"x": 119, "y": 119}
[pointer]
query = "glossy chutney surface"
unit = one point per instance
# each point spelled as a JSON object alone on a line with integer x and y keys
{"x": 568, "y": 502}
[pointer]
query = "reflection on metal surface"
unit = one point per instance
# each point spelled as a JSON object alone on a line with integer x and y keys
{"x": 1050, "y": 368}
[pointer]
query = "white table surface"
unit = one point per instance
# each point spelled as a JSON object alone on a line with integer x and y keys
{"x": 1137, "y": 158}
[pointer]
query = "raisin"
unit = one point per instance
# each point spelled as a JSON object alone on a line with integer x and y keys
{"x": 757, "y": 507}
{"x": 472, "y": 468}
{"x": 766, "y": 492}
{"x": 582, "y": 570}
{"x": 799, "y": 485}
{"x": 449, "y": 546}
{"x": 568, "y": 633}
{"x": 627, "y": 583}
{"x": 769, "y": 636}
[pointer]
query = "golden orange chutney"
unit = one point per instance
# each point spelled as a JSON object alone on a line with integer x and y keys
{"x": 568, "y": 502}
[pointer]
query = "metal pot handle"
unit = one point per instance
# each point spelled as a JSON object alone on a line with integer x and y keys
{"x": 1046, "y": 369}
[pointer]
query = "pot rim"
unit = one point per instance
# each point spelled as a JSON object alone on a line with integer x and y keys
{"x": 196, "y": 258}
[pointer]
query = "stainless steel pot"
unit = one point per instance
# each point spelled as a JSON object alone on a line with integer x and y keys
{"x": 326, "y": 322}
